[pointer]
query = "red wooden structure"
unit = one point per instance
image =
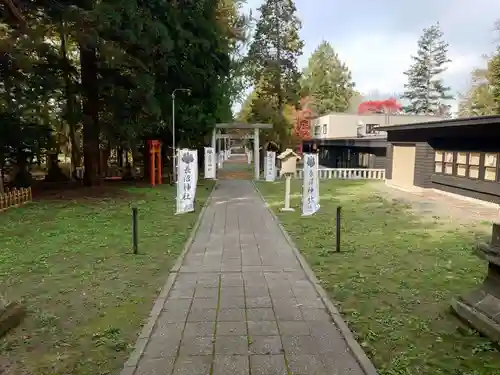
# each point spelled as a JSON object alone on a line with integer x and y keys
{"x": 155, "y": 162}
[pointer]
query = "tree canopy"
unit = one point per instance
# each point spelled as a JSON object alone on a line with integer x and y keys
{"x": 328, "y": 81}
{"x": 102, "y": 74}
{"x": 271, "y": 65}
{"x": 425, "y": 89}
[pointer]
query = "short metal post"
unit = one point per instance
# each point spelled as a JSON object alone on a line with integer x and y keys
{"x": 338, "y": 229}
{"x": 134, "y": 229}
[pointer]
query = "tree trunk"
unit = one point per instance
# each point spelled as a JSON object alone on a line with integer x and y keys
{"x": 91, "y": 131}
{"x": 119, "y": 156}
{"x": 71, "y": 104}
{"x": 22, "y": 178}
{"x": 146, "y": 161}
{"x": 105, "y": 154}
{"x": 1, "y": 181}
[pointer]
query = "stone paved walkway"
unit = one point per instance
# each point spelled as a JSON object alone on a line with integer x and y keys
{"x": 241, "y": 303}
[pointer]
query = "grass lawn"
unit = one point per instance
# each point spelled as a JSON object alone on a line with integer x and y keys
{"x": 393, "y": 280}
{"x": 71, "y": 261}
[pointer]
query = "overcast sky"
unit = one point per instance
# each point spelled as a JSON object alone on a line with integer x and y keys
{"x": 377, "y": 38}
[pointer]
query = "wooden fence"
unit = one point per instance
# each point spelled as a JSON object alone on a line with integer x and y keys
{"x": 15, "y": 198}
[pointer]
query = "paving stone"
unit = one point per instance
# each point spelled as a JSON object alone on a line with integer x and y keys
{"x": 308, "y": 365}
{"x": 204, "y": 292}
{"x": 258, "y": 302}
{"x": 261, "y": 314}
{"x": 253, "y": 268}
{"x": 208, "y": 282}
{"x": 186, "y": 279}
{"x": 329, "y": 338}
{"x": 266, "y": 345}
{"x": 285, "y": 303}
{"x": 309, "y": 302}
{"x": 262, "y": 328}
{"x": 268, "y": 365}
{"x": 231, "y": 365}
{"x": 184, "y": 286}
{"x": 204, "y": 303}
{"x": 288, "y": 313}
{"x": 315, "y": 314}
{"x": 256, "y": 291}
{"x": 199, "y": 329}
{"x": 231, "y": 315}
{"x": 241, "y": 274}
{"x": 162, "y": 346}
{"x": 181, "y": 294}
{"x": 340, "y": 363}
{"x": 177, "y": 304}
{"x": 228, "y": 278}
{"x": 230, "y": 268}
{"x": 281, "y": 293}
{"x": 173, "y": 316}
{"x": 231, "y": 345}
{"x": 232, "y": 302}
{"x": 300, "y": 345}
{"x": 196, "y": 345}
{"x": 202, "y": 315}
{"x": 232, "y": 290}
{"x": 163, "y": 327}
{"x": 160, "y": 366}
{"x": 190, "y": 365}
{"x": 294, "y": 328}
{"x": 231, "y": 328}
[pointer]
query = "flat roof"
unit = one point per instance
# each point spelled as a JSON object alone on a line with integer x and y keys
{"x": 242, "y": 125}
{"x": 463, "y": 121}
{"x": 380, "y": 141}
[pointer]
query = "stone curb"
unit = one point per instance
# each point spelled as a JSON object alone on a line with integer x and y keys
{"x": 356, "y": 349}
{"x": 143, "y": 339}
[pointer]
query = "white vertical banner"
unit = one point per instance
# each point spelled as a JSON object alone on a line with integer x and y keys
{"x": 187, "y": 171}
{"x": 310, "y": 192}
{"x": 249, "y": 156}
{"x": 270, "y": 166}
{"x": 209, "y": 162}
{"x": 220, "y": 159}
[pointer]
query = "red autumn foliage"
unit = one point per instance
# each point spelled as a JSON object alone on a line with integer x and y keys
{"x": 302, "y": 128}
{"x": 379, "y": 106}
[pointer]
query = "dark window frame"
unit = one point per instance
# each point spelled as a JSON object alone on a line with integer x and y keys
{"x": 455, "y": 164}
{"x": 371, "y": 129}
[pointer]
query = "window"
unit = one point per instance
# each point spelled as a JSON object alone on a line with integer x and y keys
{"x": 324, "y": 128}
{"x": 371, "y": 128}
{"x": 473, "y": 165}
{"x": 317, "y": 131}
{"x": 490, "y": 167}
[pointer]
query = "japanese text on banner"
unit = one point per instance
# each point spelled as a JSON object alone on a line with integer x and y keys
{"x": 188, "y": 175}
{"x": 310, "y": 193}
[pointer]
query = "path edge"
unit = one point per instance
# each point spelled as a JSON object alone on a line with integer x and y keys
{"x": 130, "y": 365}
{"x": 356, "y": 349}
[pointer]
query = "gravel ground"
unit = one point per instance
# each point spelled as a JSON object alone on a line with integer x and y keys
{"x": 445, "y": 209}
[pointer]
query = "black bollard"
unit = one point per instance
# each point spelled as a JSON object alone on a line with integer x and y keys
{"x": 134, "y": 229}
{"x": 338, "y": 228}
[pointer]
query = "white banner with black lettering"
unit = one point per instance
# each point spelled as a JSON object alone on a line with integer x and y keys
{"x": 187, "y": 172}
{"x": 209, "y": 162}
{"x": 310, "y": 193}
{"x": 270, "y": 166}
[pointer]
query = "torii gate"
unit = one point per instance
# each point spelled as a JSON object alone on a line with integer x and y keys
{"x": 217, "y": 136}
